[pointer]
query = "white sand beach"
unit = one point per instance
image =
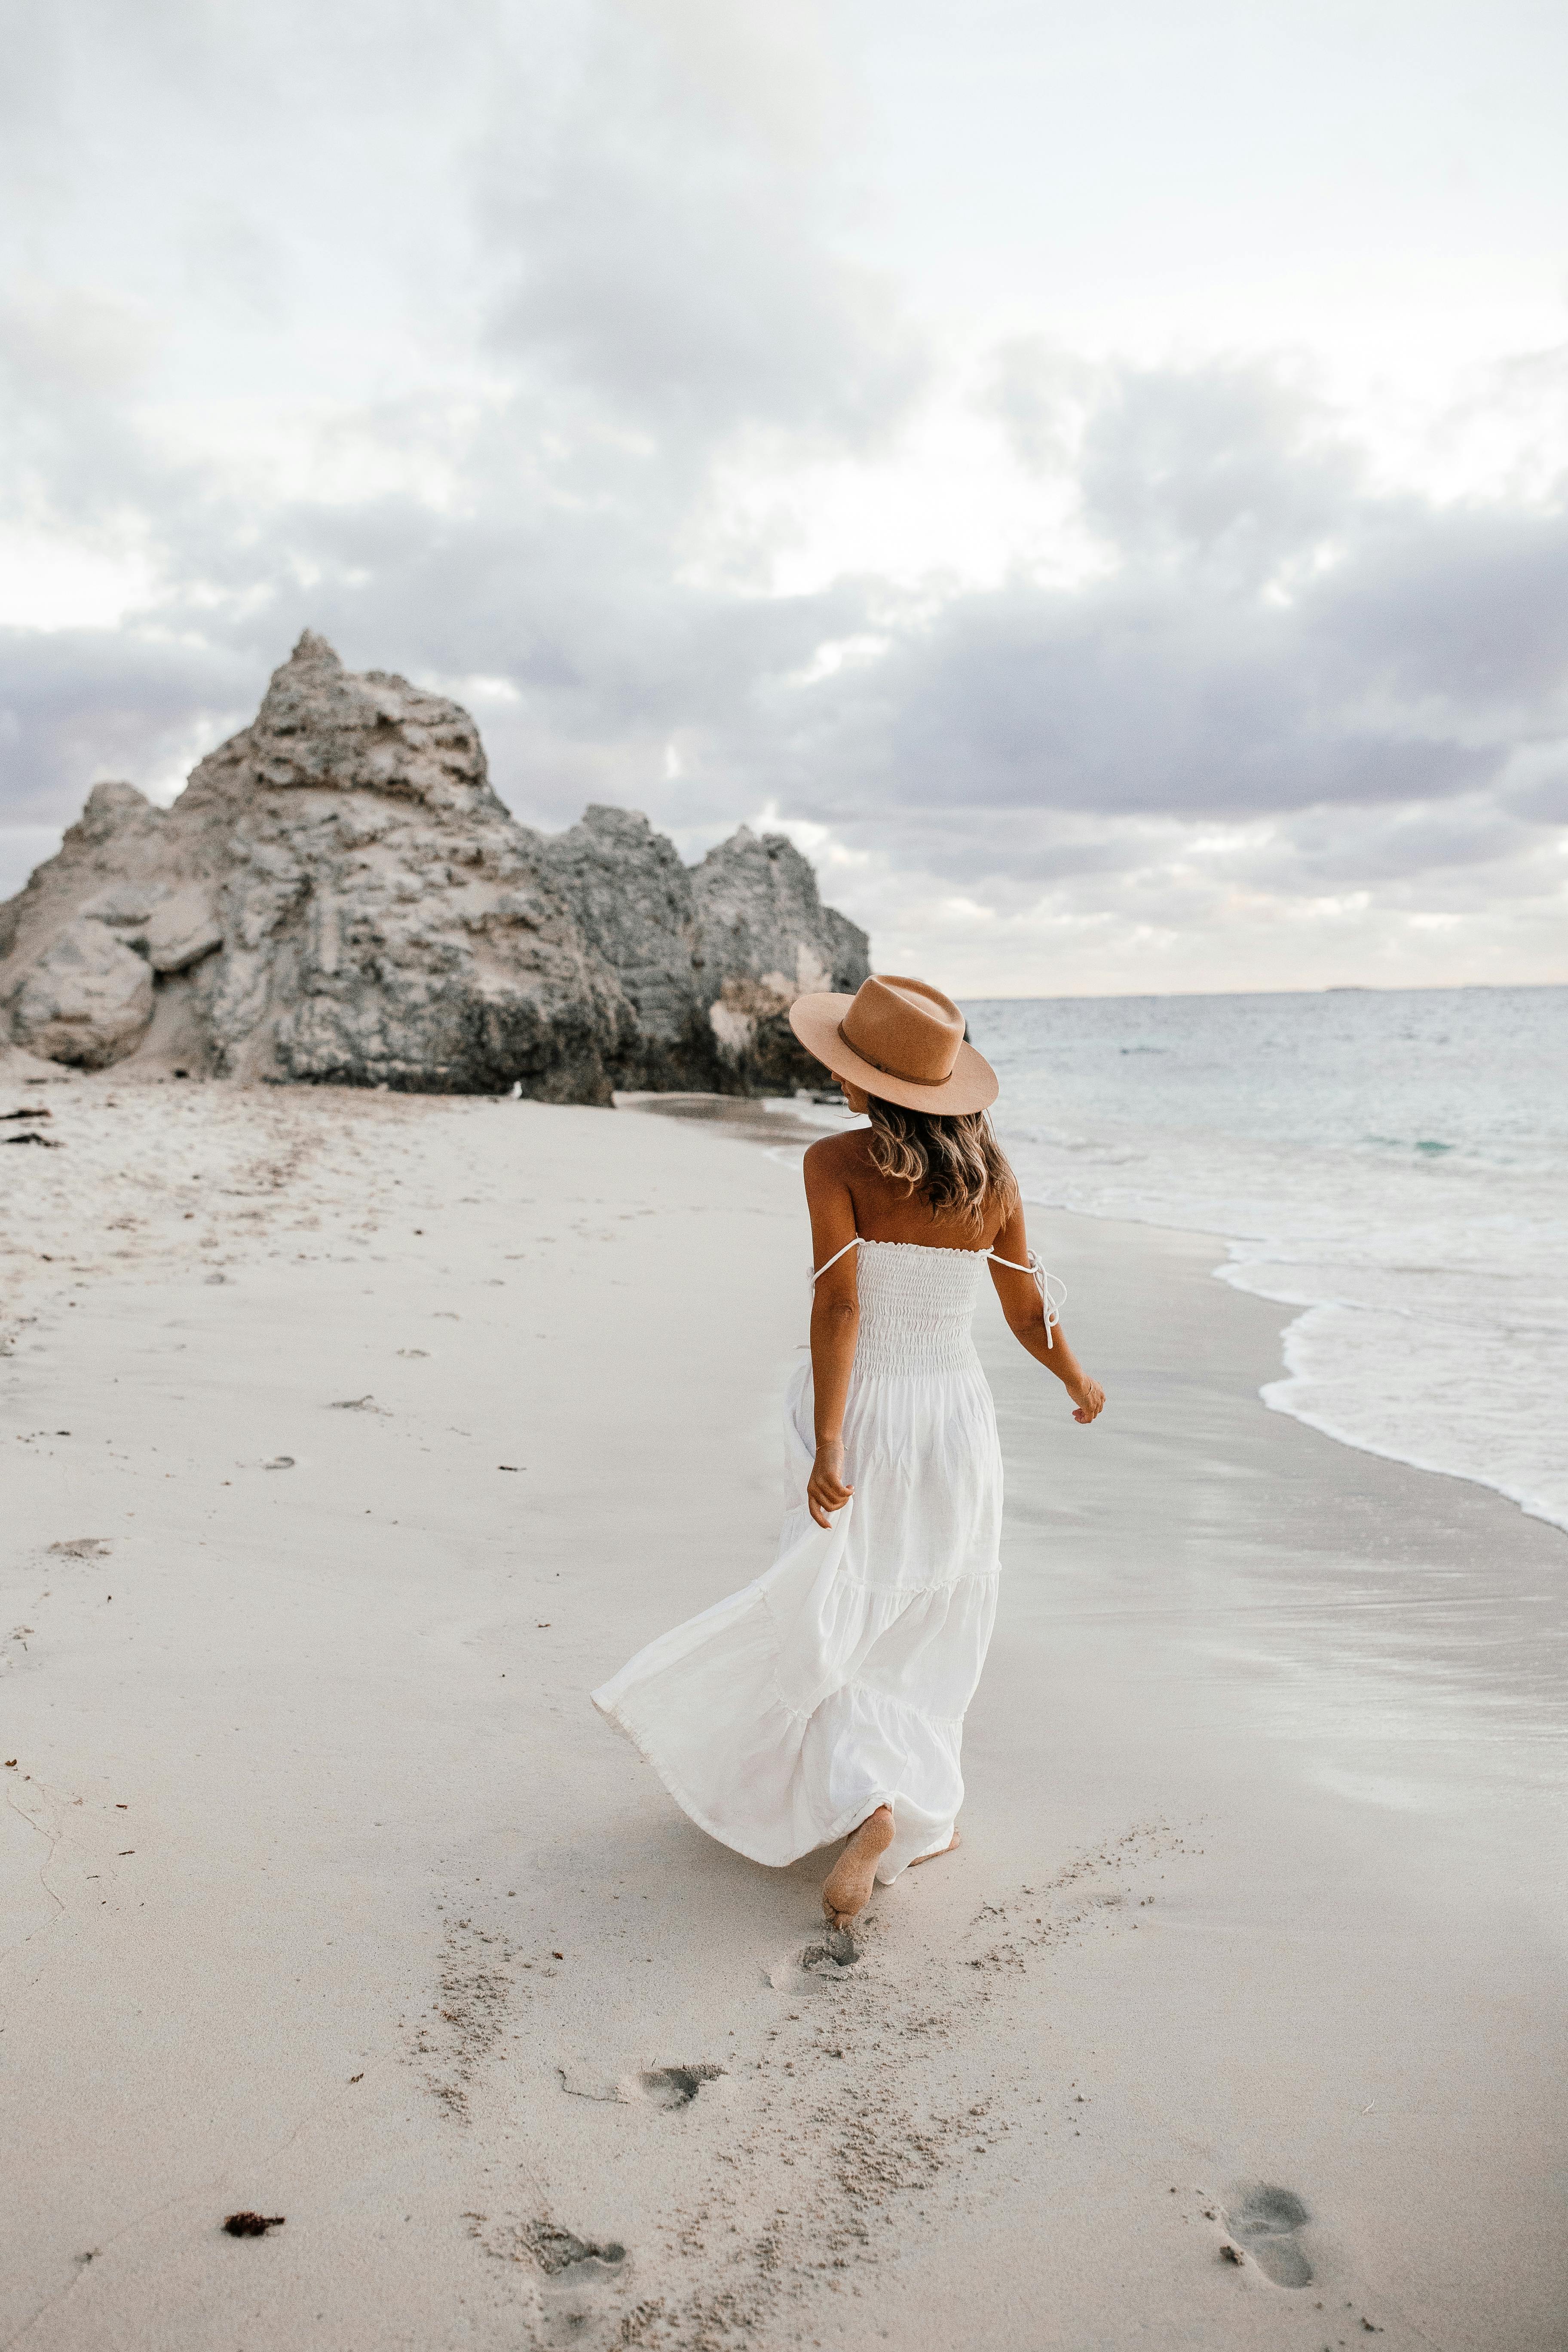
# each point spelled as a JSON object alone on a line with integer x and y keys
{"x": 351, "y": 1439}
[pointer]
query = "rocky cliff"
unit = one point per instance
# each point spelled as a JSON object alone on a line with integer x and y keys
{"x": 763, "y": 939}
{"x": 710, "y": 958}
{"x": 337, "y": 894}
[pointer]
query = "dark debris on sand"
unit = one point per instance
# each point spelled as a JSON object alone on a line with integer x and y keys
{"x": 252, "y": 2225}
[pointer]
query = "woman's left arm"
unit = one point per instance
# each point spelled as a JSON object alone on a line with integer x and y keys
{"x": 835, "y": 1324}
{"x": 1025, "y": 1311}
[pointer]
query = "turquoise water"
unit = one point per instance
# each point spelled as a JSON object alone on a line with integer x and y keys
{"x": 1392, "y": 1162}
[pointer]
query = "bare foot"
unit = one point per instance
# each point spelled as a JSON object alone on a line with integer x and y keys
{"x": 846, "y": 1889}
{"x": 952, "y": 1841}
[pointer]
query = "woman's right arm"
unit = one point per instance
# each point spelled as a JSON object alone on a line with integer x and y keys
{"x": 834, "y": 1323}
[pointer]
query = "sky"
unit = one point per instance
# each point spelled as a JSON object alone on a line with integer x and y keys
{"x": 1094, "y": 478}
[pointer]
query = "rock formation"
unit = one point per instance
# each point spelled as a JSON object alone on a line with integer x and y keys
{"x": 711, "y": 958}
{"x": 630, "y": 894}
{"x": 337, "y": 894}
{"x": 763, "y": 939}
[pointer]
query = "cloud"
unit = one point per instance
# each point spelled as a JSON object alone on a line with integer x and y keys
{"x": 79, "y": 705}
{"x": 1234, "y": 468}
{"x": 470, "y": 384}
{"x": 1264, "y": 633}
{"x": 667, "y": 246}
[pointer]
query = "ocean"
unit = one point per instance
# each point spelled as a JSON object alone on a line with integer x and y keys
{"x": 1393, "y": 1163}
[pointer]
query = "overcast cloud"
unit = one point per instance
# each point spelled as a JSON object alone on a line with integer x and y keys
{"x": 749, "y": 422}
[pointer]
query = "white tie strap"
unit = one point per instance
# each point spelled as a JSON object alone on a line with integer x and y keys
{"x": 816, "y": 1273}
{"x": 1053, "y": 1290}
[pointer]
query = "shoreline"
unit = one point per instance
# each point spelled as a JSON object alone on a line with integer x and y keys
{"x": 728, "y": 1117}
{"x": 393, "y": 1937}
{"x": 1397, "y": 1169}
{"x": 1274, "y": 1395}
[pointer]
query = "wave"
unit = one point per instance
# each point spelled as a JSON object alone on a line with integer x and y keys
{"x": 1427, "y": 1257}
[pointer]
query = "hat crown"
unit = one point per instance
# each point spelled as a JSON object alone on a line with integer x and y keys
{"x": 905, "y": 1028}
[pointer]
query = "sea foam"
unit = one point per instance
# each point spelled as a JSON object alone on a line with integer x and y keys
{"x": 1392, "y": 1163}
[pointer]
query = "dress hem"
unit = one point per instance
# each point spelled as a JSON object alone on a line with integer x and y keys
{"x": 849, "y": 1821}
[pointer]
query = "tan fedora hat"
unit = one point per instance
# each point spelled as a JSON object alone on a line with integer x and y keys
{"x": 900, "y": 1040}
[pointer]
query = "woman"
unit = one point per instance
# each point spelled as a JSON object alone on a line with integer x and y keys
{"x": 828, "y": 1697}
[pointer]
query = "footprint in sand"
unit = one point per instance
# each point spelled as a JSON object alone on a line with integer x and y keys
{"x": 675, "y": 2086}
{"x": 578, "y": 2277}
{"x": 561, "y": 2252}
{"x": 1265, "y": 2222}
{"x": 837, "y": 1953}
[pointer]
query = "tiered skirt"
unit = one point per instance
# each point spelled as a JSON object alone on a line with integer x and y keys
{"x": 783, "y": 1716}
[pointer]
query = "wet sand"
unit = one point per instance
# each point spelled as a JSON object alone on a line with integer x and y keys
{"x": 328, "y": 1896}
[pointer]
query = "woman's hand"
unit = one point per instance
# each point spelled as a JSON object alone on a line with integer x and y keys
{"x": 824, "y": 1489}
{"x": 1087, "y": 1396}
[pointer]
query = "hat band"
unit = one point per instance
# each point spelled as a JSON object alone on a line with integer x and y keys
{"x": 902, "y": 1076}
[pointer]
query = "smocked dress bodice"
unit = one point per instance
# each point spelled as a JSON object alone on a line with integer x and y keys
{"x": 917, "y": 1304}
{"x": 917, "y": 1308}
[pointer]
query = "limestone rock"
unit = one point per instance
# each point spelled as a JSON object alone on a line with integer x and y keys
{"x": 182, "y": 928}
{"x": 385, "y": 920}
{"x": 114, "y": 843}
{"x": 632, "y": 898}
{"x": 709, "y": 959}
{"x": 337, "y": 894}
{"x": 765, "y": 938}
{"x": 71, "y": 954}
{"x": 87, "y": 1000}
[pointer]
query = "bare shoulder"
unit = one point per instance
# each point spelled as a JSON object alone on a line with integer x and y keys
{"x": 836, "y": 1157}
{"x": 1004, "y": 1222}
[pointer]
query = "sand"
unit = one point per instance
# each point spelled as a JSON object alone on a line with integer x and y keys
{"x": 395, "y": 1425}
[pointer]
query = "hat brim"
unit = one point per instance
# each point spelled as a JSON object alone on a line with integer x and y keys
{"x": 971, "y": 1085}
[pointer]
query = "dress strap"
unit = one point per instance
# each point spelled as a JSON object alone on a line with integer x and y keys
{"x": 1052, "y": 1300}
{"x": 818, "y": 1271}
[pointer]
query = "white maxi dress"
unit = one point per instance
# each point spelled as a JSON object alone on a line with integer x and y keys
{"x": 782, "y": 1718}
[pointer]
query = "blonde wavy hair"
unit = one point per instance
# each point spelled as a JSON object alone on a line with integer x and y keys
{"x": 953, "y": 1161}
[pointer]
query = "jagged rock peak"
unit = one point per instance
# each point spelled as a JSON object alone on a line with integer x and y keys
{"x": 312, "y": 647}
{"x": 765, "y": 936}
{"x": 762, "y": 913}
{"x": 110, "y": 807}
{"x": 632, "y": 896}
{"x": 321, "y": 725}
